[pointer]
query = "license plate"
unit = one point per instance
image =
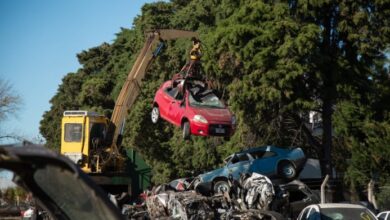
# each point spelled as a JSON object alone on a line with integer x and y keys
{"x": 220, "y": 130}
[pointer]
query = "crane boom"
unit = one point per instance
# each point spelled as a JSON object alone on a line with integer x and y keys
{"x": 132, "y": 86}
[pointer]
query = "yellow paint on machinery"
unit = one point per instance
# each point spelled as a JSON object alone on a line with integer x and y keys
{"x": 81, "y": 131}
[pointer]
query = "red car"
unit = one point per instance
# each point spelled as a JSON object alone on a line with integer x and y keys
{"x": 195, "y": 109}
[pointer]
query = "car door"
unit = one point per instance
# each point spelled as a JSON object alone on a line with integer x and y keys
{"x": 265, "y": 162}
{"x": 176, "y": 109}
{"x": 238, "y": 164}
{"x": 166, "y": 99}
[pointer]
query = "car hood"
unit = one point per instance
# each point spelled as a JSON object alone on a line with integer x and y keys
{"x": 54, "y": 180}
{"x": 210, "y": 175}
{"x": 214, "y": 114}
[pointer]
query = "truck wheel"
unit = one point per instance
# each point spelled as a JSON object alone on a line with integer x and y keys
{"x": 220, "y": 187}
{"x": 287, "y": 170}
{"x": 155, "y": 114}
{"x": 186, "y": 130}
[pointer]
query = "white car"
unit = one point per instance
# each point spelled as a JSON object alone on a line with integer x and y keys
{"x": 28, "y": 214}
{"x": 336, "y": 211}
{"x": 384, "y": 215}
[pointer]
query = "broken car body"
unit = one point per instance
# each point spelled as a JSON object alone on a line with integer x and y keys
{"x": 269, "y": 160}
{"x": 248, "y": 198}
{"x": 57, "y": 184}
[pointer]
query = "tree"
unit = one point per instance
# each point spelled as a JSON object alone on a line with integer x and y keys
{"x": 9, "y": 104}
{"x": 290, "y": 58}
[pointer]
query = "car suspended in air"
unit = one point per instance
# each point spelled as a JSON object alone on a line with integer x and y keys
{"x": 191, "y": 106}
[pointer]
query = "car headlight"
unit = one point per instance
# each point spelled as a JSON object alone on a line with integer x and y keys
{"x": 234, "y": 120}
{"x": 201, "y": 119}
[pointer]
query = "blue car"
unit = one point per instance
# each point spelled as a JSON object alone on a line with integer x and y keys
{"x": 268, "y": 160}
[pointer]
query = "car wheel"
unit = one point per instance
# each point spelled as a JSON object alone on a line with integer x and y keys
{"x": 287, "y": 170}
{"x": 155, "y": 114}
{"x": 186, "y": 130}
{"x": 221, "y": 186}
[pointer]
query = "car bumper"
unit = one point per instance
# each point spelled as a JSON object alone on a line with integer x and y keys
{"x": 214, "y": 129}
{"x": 300, "y": 163}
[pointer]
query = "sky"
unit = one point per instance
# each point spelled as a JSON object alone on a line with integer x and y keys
{"x": 39, "y": 40}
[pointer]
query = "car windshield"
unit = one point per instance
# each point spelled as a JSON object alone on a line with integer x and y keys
{"x": 208, "y": 101}
{"x": 227, "y": 159}
{"x": 346, "y": 214}
{"x": 75, "y": 199}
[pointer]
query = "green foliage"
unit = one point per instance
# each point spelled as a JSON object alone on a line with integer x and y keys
{"x": 383, "y": 197}
{"x": 13, "y": 194}
{"x": 272, "y": 62}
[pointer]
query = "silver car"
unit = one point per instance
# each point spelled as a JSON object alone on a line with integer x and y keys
{"x": 336, "y": 211}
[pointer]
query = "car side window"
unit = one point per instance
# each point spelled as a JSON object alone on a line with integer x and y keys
{"x": 243, "y": 157}
{"x": 304, "y": 214}
{"x": 257, "y": 154}
{"x": 313, "y": 214}
{"x": 269, "y": 154}
{"x": 262, "y": 154}
{"x": 239, "y": 158}
{"x": 382, "y": 216}
{"x": 174, "y": 93}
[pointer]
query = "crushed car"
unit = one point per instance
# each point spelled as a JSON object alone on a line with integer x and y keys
{"x": 292, "y": 197}
{"x": 271, "y": 161}
{"x": 59, "y": 187}
{"x": 248, "y": 198}
{"x": 194, "y": 108}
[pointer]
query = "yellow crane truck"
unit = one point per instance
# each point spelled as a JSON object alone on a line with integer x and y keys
{"x": 93, "y": 141}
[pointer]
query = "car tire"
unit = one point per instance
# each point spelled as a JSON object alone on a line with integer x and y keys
{"x": 186, "y": 130}
{"x": 287, "y": 170}
{"x": 155, "y": 115}
{"x": 220, "y": 186}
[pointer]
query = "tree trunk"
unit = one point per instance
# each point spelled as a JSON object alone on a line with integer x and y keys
{"x": 327, "y": 137}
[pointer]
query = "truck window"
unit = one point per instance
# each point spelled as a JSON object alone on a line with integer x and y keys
{"x": 73, "y": 132}
{"x": 97, "y": 130}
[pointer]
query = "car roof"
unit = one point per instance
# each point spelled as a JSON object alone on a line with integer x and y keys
{"x": 267, "y": 147}
{"x": 340, "y": 205}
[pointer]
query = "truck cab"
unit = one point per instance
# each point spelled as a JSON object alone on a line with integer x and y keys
{"x": 82, "y": 134}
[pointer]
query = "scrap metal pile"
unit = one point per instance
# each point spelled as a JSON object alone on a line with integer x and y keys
{"x": 248, "y": 198}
